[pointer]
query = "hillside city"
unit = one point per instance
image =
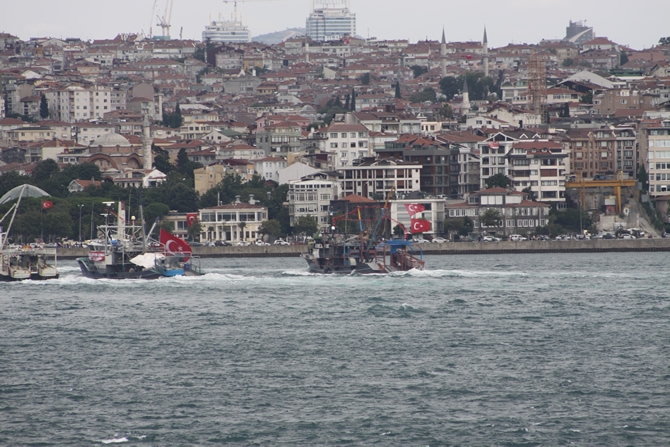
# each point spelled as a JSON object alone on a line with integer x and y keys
{"x": 236, "y": 141}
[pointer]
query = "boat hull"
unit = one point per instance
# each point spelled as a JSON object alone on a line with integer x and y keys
{"x": 90, "y": 270}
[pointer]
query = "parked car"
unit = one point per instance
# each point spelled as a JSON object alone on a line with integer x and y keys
{"x": 280, "y": 242}
{"x": 222, "y": 244}
{"x": 517, "y": 238}
{"x": 243, "y": 243}
{"x": 490, "y": 239}
{"x": 439, "y": 240}
{"x": 261, "y": 243}
{"x": 421, "y": 241}
{"x": 627, "y": 236}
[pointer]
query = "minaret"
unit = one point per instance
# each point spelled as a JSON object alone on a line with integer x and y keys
{"x": 485, "y": 45}
{"x": 147, "y": 161}
{"x": 443, "y": 56}
{"x": 465, "y": 108}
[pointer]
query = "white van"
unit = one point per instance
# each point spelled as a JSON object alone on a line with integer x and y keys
{"x": 517, "y": 238}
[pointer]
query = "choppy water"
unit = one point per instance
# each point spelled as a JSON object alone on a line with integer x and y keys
{"x": 508, "y": 350}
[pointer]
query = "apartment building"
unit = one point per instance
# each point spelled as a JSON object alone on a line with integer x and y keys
{"x": 234, "y": 222}
{"x": 375, "y": 179}
{"x": 76, "y": 103}
{"x": 348, "y": 142}
{"x": 311, "y": 196}
{"x": 592, "y": 152}
{"x": 541, "y": 166}
{"x": 655, "y": 154}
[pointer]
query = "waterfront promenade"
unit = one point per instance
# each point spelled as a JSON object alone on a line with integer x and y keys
{"x": 447, "y": 248}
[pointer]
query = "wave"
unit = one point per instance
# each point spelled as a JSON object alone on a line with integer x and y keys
{"x": 114, "y": 440}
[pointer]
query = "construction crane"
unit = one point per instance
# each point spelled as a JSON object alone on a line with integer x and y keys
{"x": 164, "y": 20}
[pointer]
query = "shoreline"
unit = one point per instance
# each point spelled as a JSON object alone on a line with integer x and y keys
{"x": 447, "y": 248}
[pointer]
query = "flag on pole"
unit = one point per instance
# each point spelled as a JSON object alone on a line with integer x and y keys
{"x": 420, "y": 226}
{"x": 47, "y": 204}
{"x": 191, "y": 218}
{"x": 174, "y": 245}
{"x": 414, "y": 208}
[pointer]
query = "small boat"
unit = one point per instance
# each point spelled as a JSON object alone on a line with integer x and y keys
{"x": 19, "y": 263}
{"x": 331, "y": 255}
{"x": 363, "y": 254}
{"x": 124, "y": 252}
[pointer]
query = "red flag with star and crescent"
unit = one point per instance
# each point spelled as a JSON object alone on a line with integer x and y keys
{"x": 47, "y": 204}
{"x": 414, "y": 208}
{"x": 174, "y": 245}
{"x": 191, "y": 218}
{"x": 419, "y": 226}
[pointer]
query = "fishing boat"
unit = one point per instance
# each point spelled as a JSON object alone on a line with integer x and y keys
{"x": 356, "y": 255}
{"x": 364, "y": 253}
{"x": 33, "y": 261}
{"x": 124, "y": 251}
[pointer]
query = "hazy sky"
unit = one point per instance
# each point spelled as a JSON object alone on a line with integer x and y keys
{"x": 636, "y": 24}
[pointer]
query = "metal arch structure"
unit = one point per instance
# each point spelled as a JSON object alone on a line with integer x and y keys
{"x": 617, "y": 184}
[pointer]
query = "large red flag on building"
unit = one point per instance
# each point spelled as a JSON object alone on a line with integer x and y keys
{"x": 191, "y": 218}
{"x": 47, "y": 204}
{"x": 174, "y": 245}
{"x": 419, "y": 226}
{"x": 414, "y": 208}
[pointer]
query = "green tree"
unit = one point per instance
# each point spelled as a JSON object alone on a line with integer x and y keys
{"x": 568, "y": 62}
{"x": 445, "y": 111}
{"x": 44, "y": 107}
{"x": 479, "y": 86}
{"x": 398, "y": 94}
{"x": 353, "y": 100}
{"x": 498, "y": 181}
{"x": 428, "y": 94}
{"x": 586, "y": 98}
{"x": 161, "y": 160}
{"x": 531, "y": 194}
{"x": 305, "y": 225}
{"x": 365, "y": 79}
{"x": 44, "y": 170}
{"x": 623, "y": 59}
{"x": 154, "y": 211}
{"x": 461, "y": 226}
{"x": 271, "y": 227}
{"x": 664, "y": 40}
{"x": 418, "y": 70}
{"x": 642, "y": 177}
{"x": 491, "y": 218}
{"x": 194, "y": 231}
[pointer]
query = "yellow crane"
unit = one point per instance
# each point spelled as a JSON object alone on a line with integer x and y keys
{"x": 617, "y": 184}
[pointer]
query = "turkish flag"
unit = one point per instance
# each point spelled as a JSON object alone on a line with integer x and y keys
{"x": 414, "y": 208}
{"x": 419, "y": 226}
{"x": 191, "y": 218}
{"x": 47, "y": 204}
{"x": 174, "y": 245}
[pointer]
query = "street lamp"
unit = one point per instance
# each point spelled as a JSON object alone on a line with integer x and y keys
{"x": 80, "y": 207}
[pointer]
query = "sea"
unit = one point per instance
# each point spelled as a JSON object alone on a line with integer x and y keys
{"x": 476, "y": 350}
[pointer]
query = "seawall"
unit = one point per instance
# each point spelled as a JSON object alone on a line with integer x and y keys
{"x": 448, "y": 248}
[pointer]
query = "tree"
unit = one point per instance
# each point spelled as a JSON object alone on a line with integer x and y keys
{"x": 271, "y": 227}
{"x": 428, "y": 94}
{"x": 305, "y": 225}
{"x": 531, "y": 194}
{"x": 664, "y": 40}
{"x": 587, "y": 98}
{"x": 418, "y": 70}
{"x": 623, "y": 58}
{"x": 643, "y": 178}
{"x": 44, "y": 107}
{"x": 365, "y": 79}
{"x": 498, "y": 181}
{"x": 479, "y": 86}
{"x": 346, "y": 102}
{"x": 568, "y": 62}
{"x": 162, "y": 160}
{"x": 491, "y": 218}
{"x": 459, "y": 225}
{"x": 194, "y": 230}
{"x": 353, "y": 100}
{"x": 398, "y": 95}
{"x": 445, "y": 111}
{"x": 44, "y": 170}
{"x": 154, "y": 211}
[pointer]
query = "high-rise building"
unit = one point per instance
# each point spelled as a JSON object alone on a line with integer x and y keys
{"x": 228, "y": 31}
{"x": 331, "y": 20}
